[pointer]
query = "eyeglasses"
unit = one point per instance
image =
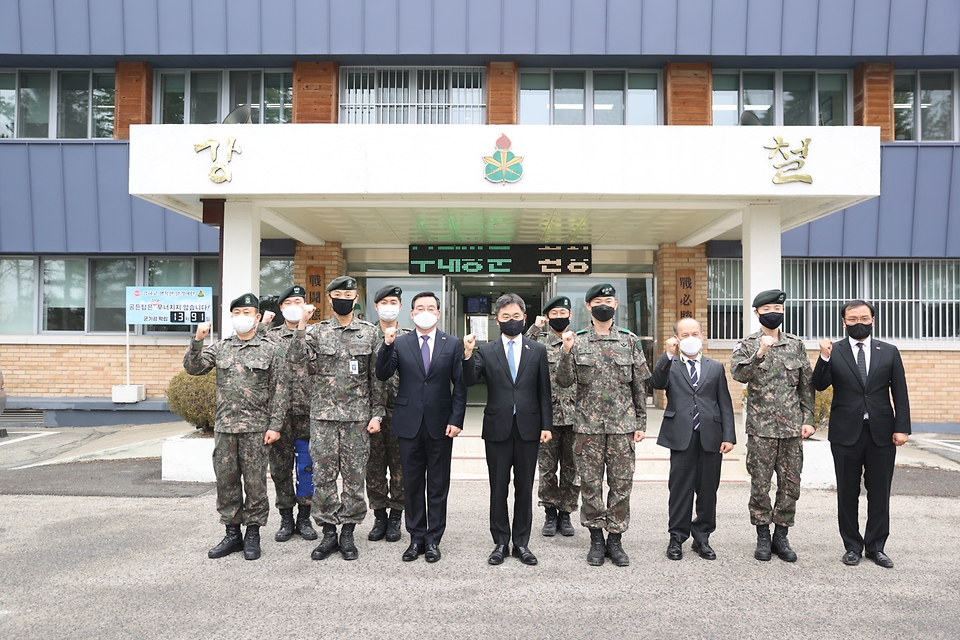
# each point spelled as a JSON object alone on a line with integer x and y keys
{"x": 861, "y": 319}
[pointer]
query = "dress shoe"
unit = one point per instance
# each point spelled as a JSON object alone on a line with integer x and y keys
{"x": 704, "y": 549}
{"x": 526, "y": 556}
{"x": 549, "y": 522}
{"x": 615, "y": 551}
{"x": 303, "y": 527}
{"x": 413, "y": 552}
{"x": 231, "y": 543}
{"x": 286, "y": 526}
{"x": 251, "y": 542}
{"x": 851, "y": 558}
{"x": 881, "y": 559}
{"x": 393, "y": 525}
{"x": 563, "y": 524}
{"x": 379, "y": 529}
{"x": 348, "y": 549}
{"x": 432, "y": 553}
{"x": 781, "y": 546}
{"x": 674, "y": 550}
{"x": 328, "y": 545}
{"x": 497, "y": 555}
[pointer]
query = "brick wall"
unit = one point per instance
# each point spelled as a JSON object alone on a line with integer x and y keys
{"x": 873, "y": 97}
{"x": 133, "y": 97}
{"x": 503, "y": 88}
{"x": 688, "y": 97}
{"x": 329, "y": 256}
{"x": 316, "y": 87}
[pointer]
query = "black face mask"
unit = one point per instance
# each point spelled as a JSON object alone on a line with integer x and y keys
{"x": 342, "y": 307}
{"x": 559, "y": 324}
{"x": 511, "y": 328}
{"x": 771, "y": 320}
{"x": 602, "y": 312}
{"x": 859, "y": 331}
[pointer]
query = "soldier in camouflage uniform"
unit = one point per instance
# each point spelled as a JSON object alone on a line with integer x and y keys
{"x": 296, "y": 425}
{"x": 251, "y": 404}
{"x": 606, "y": 364}
{"x": 559, "y": 498}
{"x": 384, "y": 448}
{"x": 346, "y": 407}
{"x": 780, "y": 397}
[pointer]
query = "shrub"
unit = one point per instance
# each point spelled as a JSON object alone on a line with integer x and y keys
{"x": 194, "y": 398}
{"x": 821, "y": 408}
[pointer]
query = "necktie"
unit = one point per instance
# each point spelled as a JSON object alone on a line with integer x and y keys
{"x": 511, "y": 360}
{"x": 862, "y": 362}
{"x": 694, "y": 379}
{"x": 425, "y": 352}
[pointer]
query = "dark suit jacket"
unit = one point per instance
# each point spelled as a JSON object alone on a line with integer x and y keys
{"x": 885, "y": 378}
{"x": 435, "y": 399}
{"x": 712, "y": 398}
{"x": 530, "y": 393}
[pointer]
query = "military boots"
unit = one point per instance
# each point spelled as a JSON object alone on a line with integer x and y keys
{"x": 763, "y": 543}
{"x": 285, "y": 532}
{"x": 615, "y": 551}
{"x": 251, "y": 542}
{"x": 379, "y": 529}
{"x": 550, "y": 522}
{"x": 303, "y": 527}
{"x": 393, "y": 525}
{"x": 231, "y": 543}
{"x": 329, "y": 543}
{"x": 598, "y": 548}
{"x": 563, "y": 524}
{"x": 347, "y": 547}
{"x": 781, "y": 546}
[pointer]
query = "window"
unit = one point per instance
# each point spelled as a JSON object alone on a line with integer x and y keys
{"x": 269, "y": 95}
{"x": 169, "y": 273}
{"x": 402, "y": 95}
{"x": 931, "y": 93}
{"x": 33, "y": 114}
{"x": 8, "y": 104}
{"x": 109, "y": 279}
{"x": 792, "y": 98}
{"x": 205, "y": 97}
{"x": 608, "y": 97}
{"x": 209, "y": 97}
{"x": 17, "y": 289}
{"x": 80, "y": 103}
{"x": 64, "y": 295}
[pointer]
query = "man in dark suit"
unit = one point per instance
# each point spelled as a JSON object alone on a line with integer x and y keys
{"x": 427, "y": 415}
{"x": 517, "y": 418}
{"x": 865, "y": 430}
{"x": 698, "y": 428}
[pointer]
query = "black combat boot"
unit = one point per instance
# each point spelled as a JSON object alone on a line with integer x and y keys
{"x": 549, "y": 522}
{"x": 393, "y": 525}
{"x": 347, "y": 548}
{"x": 763, "y": 543}
{"x": 303, "y": 527}
{"x": 563, "y": 524}
{"x": 781, "y": 546}
{"x": 231, "y": 543}
{"x": 379, "y": 529}
{"x": 329, "y": 543}
{"x": 285, "y": 532}
{"x": 615, "y": 551}
{"x": 598, "y": 548}
{"x": 251, "y": 542}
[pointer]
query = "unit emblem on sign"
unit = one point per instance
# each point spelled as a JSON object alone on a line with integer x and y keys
{"x": 503, "y": 166}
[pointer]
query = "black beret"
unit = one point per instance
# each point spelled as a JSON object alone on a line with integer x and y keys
{"x": 292, "y": 292}
{"x": 556, "y": 301}
{"x": 770, "y": 296}
{"x": 600, "y": 290}
{"x": 246, "y": 300}
{"x": 343, "y": 282}
{"x": 389, "y": 290}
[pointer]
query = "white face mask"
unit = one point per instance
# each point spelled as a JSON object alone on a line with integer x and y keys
{"x": 293, "y": 313}
{"x": 242, "y": 324}
{"x": 691, "y": 346}
{"x": 388, "y": 312}
{"x": 425, "y": 320}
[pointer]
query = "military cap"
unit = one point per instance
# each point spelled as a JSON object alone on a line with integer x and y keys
{"x": 770, "y": 296}
{"x": 246, "y": 300}
{"x": 389, "y": 290}
{"x": 563, "y": 302}
{"x": 343, "y": 282}
{"x": 598, "y": 290}
{"x": 296, "y": 291}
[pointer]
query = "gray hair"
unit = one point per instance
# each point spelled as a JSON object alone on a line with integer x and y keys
{"x": 677, "y": 324}
{"x": 506, "y": 300}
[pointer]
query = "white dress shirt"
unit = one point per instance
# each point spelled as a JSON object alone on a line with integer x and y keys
{"x": 517, "y": 347}
{"x": 866, "y": 350}
{"x": 686, "y": 365}
{"x": 431, "y": 340}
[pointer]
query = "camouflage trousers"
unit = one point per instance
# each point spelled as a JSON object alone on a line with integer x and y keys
{"x": 615, "y": 454}
{"x": 339, "y": 449}
{"x": 785, "y": 457}
{"x": 282, "y": 460}
{"x": 384, "y": 455}
{"x": 241, "y": 458}
{"x": 562, "y": 494}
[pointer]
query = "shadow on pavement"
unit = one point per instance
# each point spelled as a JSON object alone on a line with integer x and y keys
{"x": 912, "y": 481}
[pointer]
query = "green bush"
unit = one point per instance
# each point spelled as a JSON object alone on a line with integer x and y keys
{"x": 821, "y": 408}
{"x": 194, "y": 398}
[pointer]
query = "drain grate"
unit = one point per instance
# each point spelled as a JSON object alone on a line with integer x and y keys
{"x": 22, "y": 416}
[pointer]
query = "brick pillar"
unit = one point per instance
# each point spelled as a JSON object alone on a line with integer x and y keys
{"x": 133, "y": 97}
{"x": 688, "y": 93}
{"x": 316, "y": 87}
{"x": 503, "y": 92}
{"x": 873, "y": 97}
{"x": 329, "y": 256}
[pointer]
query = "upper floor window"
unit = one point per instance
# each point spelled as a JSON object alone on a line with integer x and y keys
{"x": 56, "y": 104}
{"x": 402, "y": 95}
{"x": 791, "y": 98}
{"x": 210, "y": 97}
{"x": 589, "y": 97}
{"x": 932, "y": 95}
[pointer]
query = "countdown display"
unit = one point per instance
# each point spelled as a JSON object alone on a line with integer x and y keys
{"x": 169, "y": 305}
{"x": 505, "y": 259}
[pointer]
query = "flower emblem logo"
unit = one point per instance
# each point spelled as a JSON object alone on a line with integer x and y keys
{"x": 503, "y": 166}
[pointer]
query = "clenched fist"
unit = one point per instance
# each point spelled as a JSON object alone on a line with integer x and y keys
{"x": 672, "y": 345}
{"x": 308, "y": 310}
{"x": 765, "y": 343}
{"x": 540, "y": 321}
{"x": 469, "y": 344}
{"x": 826, "y": 348}
{"x": 568, "y": 337}
{"x": 389, "y": 335}
{"x": 268, "y": 316}
{"x": 202, "y": 330}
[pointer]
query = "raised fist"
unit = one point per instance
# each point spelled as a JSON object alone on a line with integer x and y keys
{"x": 540, "y": 321}
{"x": 568, "y": 337}
{"x": 826, "y": 348}
{"x": 765, "y": 343}
{"x": 308, "y": 310}
{"x": 672, "y": 345}
{"x": 389, "y": 335}
{"x": 469, "y": 344}
{"x": 268, "y": 316}
{"x": 202, "y": 330}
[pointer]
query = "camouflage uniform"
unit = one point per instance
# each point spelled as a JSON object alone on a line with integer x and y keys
{"x": 609, "y": 372}
{"x": 252, "y": 398}
{"x": 345, "y": 397}
{"x": 564, "y": 494}
{"x": 384, "y": 450}
{"x": 780, "y": 400}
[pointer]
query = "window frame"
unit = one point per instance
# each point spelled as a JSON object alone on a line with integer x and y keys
{"x": 53, "y": 114}
{"x": 224, "y": 100}
{"x": 917, "y": 120}
{"x": 778, "y": 92}
{"x": 588, "y": 88}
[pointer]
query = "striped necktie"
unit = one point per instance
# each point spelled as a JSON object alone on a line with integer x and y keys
{"x": 694, "y": 379}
